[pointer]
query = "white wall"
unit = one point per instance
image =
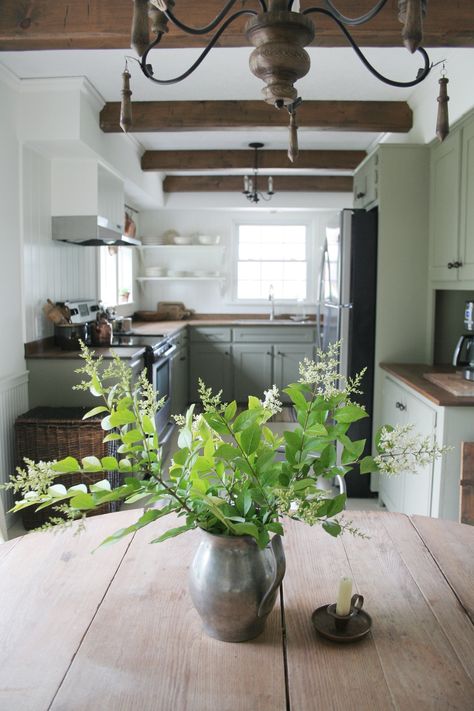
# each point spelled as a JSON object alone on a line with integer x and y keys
{"x": 52, "y": 270}
{"x": 215, "y": 296}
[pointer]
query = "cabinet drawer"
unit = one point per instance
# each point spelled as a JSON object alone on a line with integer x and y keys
{"x": 210, "y": 334}
{"x": 274, "y": 334}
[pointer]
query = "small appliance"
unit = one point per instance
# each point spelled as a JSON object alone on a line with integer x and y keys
{"x": 464, "y": 351}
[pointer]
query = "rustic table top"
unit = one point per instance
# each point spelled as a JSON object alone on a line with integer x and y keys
{"x": 116, "y": 629}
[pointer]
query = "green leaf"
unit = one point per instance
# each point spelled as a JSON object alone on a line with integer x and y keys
{"x": 95, "y": 411}
{"x": 185, "y": 438}
{"x": 332, "y": 528}
{"x": 91, "y": 464}
{"x": 254, "y": 403}
{"x": 250, "y": 439}
{"x": 132, "y": 436}
{"x": 368, "y": 465}
{"x": 112, "y": 437}
{"x": 275, "y": 527}
{"x": 246, "y": 419}
{"x": 302, "y": 484}
{"x": 122, "y": 417}
{"x": 296, "y": 397}
{"x": 148, "y": 425}
{"x": 350, "y": 413}
{"x": 336, "y": 505}
{"x": 172, "y": 533}
{"x": 230, "y": 411}
{"x": 95, "y": 387}
{"x": 215, "y": 422}
{"x": 125, "y": 465}
{"x": 82, "y": 502}
{"x": 109, "y": 463}
{"x": 64, "y": 466}
{"x": 227, "y": 452}
{"x": 352, "y": 451}
{"x": 247, "y": 529}
{"x": 294, "y": 437}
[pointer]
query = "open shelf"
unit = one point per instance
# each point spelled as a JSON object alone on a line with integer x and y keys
{"x": 174, "y": 278}
{"x": 183, "y": 246}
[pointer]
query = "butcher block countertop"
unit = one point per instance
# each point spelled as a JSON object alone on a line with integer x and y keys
{"x": 412, "y": 374}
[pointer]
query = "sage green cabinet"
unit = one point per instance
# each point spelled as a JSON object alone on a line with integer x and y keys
{"x": 212, "y": 362}
{"x": 252, "y": 369}
{"x": 286, "y": 360}
{"x": 445, "y": 208}
{"x": 452, "y": 209}
{"x": 179, "y": 381}
{"x": 366, "y": 183}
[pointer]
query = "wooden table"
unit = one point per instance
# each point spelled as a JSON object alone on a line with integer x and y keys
{"x": 116, "y": 629}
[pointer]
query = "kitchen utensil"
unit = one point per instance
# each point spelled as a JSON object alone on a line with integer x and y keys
{"x": 55, "y": 313}
{"x": 130, "y": 226}
{"x": 68, "y": 335}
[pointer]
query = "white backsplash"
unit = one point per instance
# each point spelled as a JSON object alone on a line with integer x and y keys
{"x": 51, "y": 269}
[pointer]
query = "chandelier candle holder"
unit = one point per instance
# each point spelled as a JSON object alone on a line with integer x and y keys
{"x": 251, "y": 190}
{"x": 279, "y": 36}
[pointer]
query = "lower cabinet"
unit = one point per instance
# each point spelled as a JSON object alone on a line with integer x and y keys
{"x": 286, "y": 361}
{"x": 434, "y": 490}
{"x": 179, "y": 381}
{"x": 252, "y": 369}
{"x": 212, "y": 362}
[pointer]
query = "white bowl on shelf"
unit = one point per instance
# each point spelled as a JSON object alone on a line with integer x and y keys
{"x": 155, "y": 271}
{"x": 208, "y": 239}
{"x": 182, "y": 239}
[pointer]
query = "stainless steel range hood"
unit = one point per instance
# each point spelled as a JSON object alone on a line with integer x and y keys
{"x": 90, "y": 231}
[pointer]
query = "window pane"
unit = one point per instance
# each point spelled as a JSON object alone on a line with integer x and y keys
{"x": 271, "y": 256}
{"x": 125, "y": 274}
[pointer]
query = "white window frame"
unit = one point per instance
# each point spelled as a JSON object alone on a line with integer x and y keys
{"x": 119, "y": 305}
{"x": 311, "y": 268}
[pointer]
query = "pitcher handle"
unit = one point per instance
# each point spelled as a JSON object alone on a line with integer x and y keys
{"x": 279, "y": 571}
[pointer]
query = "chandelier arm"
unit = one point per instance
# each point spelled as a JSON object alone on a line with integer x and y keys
{"x": 148, "y": 70}
{"x": 422, "y": 73}
{"x": 204, "y": 30}
{"x": 353, "y": 21}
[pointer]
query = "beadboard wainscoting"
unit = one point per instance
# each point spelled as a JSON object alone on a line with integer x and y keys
{"x": 13, "y": 402}
{"x": 53, "y": 270}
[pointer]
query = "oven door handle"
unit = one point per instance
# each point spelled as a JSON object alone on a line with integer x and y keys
{"x": 170, "y": 351}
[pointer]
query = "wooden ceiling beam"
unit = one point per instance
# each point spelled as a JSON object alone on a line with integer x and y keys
{"x": 105, "y": 24}
{"x": 234, "y": 183}
{"x": 149, "y": 116}
{"x": 244, "y": 159}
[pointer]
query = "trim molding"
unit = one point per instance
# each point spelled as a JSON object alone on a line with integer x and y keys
{"x": 13, "y": 381}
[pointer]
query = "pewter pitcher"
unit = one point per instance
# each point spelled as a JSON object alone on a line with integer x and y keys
{"x": 234, "y": 584}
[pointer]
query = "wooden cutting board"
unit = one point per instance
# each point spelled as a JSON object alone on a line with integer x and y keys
{"x": 452, "y": 382}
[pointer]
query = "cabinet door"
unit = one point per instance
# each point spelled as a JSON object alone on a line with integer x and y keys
{"x": 466, "y": 247}
{"x": 444, "y": 209}
{"x": 213, "y": 364}
{"x": 418, "y": 486}
{"x": 252, "y": 370}
{"x": 407, "y": 492}
{"x": 366, "y": 184}
{"x": 287, "y": 358}
{"x": 179, "y": 382}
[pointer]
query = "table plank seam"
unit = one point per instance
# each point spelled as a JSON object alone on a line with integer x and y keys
{"x": 99, "y": 605}
{"x": 438, "y": 565}
{"x": 284, "y": 642}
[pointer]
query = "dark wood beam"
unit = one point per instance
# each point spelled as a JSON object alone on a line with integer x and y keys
{"x": 105, "y": 24}
{"x": 220, "y": 160}
{"x": 376, "y": 116}
{"x": 234, "y": 183}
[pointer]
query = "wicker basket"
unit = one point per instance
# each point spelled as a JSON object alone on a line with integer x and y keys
{"x": 47, "y": 433}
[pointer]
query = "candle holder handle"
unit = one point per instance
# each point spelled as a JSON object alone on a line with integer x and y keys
{"x": 357, "y": 603}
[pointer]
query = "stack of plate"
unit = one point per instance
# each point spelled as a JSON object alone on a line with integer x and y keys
{"x": 155, "y": 271}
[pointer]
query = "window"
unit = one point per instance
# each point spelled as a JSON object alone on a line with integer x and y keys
{"x": 271, "y": 258}
{"x": 116, "y": 275}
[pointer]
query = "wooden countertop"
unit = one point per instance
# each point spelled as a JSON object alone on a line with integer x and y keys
{"x": 117, "y": 629}
{"x": 412, "y": 374}
{"x": 46, "y": 348}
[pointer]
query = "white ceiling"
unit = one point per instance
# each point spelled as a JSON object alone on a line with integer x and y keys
{"x": 336, "y": 73}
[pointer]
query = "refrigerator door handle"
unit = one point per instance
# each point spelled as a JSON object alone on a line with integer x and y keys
{"x": 339, "y": 306}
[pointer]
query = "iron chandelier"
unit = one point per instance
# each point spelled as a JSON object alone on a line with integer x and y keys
{"x": 279, "y": 36}
{"x": 251, "y": 190}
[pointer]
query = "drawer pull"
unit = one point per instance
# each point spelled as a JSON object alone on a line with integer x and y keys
{"x": 400, "y": 406}
{"x": 360, "y": 195}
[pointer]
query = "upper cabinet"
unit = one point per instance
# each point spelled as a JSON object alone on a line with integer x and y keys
{"x": 452, "y": 209}
{"x": 366, "y": 183}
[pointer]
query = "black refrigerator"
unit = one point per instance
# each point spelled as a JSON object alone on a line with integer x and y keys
{"x": 346, "y": 312}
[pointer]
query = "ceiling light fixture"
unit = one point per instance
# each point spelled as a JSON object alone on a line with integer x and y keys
{"x": 279, "y": 36}
{"x": 251, "y": 190}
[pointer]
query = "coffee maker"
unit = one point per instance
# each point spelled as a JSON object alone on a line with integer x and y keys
{"x": 464, "y": 351}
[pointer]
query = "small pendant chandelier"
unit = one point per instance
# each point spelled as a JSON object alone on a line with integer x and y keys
{"x": 251, "y": 190}
{"x": 279, "y": 36}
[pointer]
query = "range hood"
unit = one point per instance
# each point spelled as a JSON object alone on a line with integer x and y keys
{"x": 90, "y": 231}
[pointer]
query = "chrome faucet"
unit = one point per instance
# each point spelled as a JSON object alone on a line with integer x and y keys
{"x": 271, "y": 299}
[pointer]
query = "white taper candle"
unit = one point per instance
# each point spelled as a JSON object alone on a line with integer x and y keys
{"x": 343, "y": 604}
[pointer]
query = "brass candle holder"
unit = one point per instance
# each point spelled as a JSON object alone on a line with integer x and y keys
{"x": 342, "y": 628}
